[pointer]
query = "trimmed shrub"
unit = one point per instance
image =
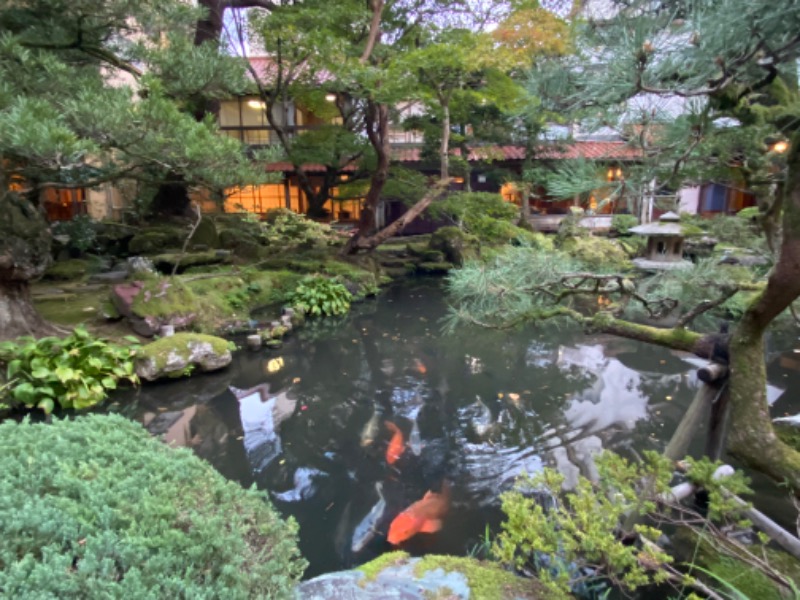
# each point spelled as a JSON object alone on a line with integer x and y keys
{"x": 621, "y": 224}
{"x": 97, "y": 508}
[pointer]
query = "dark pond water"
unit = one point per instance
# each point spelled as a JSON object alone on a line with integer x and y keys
{"x": 477, "y": 408}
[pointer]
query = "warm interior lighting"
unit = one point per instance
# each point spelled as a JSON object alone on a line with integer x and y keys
{"x": 257, "y": 104}
{"x": 330, "y": 97}
{"x": 780, "y": 147}
{"x": 618, "y": 173}
{"x": 345, "y": 177}
{"x": 458, "y": 180}
{"x": 610, "y": 174}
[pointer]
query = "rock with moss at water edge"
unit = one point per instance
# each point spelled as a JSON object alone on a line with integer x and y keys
{"x": 180, "y": 355}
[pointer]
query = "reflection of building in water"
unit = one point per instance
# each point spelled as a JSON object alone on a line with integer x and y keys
{"x": 615, "y": 398}
{"x": 174, "y": 427}
{"x": 261, "y": 417}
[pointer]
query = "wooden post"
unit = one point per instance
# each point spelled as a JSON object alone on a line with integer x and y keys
{"x": 678, "y": 446}
{"x": 718, "y": 424}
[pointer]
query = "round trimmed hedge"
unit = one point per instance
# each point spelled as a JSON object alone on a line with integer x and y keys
{"x": 96, "y": 508}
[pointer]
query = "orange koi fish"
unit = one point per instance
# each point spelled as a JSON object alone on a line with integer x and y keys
{"x": 397, "y": 444}
{"x": 424, "y": 516}
{"x": 420, "y": 366}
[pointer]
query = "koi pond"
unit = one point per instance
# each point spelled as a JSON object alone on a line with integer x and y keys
{"x": 355, "y": 419}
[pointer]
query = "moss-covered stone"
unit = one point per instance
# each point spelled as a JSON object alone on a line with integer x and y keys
{"x": 375, "y": 566}
{"x": 180, "y": 354}
{"x": 425, "y": 253}
{"x": 487, "y": 581}
{"x": 67, "y": 270}
{"x": 153, "y": 241}
{"x": 434, "y": 268}
{"x": 205, "y": 234}
{"x": 166, "y": 262}
{"x": 455, "y": 244}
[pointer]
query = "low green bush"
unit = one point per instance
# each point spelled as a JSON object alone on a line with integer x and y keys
{"x": 484, "y": 215}
{"x": 81, "y": 231}
{"x": 76, "y": 371}
{"x": 96, "y": 508}
{"x": 317, "y": 296}
{"x": 621, "y": 224}
{"x": 286, "y": 229}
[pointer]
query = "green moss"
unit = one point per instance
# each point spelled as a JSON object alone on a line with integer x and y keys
{"x": 67, "y": 270}
{"x": 153, "y": 241}
{"x": 68, "y": 308}
{"x": 456, "y": 245}
{"x": 434, "y": 268}
{"x": 374, "y": 567}
{"x": 789, "y": 435}
{"x": 750, "y": 582}
{"x": 164, "y": 298}
{"x": 487, "y": 581}
{"x": 166, "y": 262}
{"x": 159, "y": 350}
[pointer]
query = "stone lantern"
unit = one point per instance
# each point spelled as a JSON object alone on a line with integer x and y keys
{"x": 664, "y": 244}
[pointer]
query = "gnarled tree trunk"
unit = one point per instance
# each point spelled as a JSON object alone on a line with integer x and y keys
{"x": 752, "y": 438}
{"x": 24, "y": 256}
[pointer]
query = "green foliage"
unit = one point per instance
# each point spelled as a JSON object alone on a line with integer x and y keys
{"x": 80, "y": 231}
{"x": 508, "y": 289}
{"x": 96, "y": 508}
{"x": 73, "y": 372}
{"x": 598, "y": 253}
{"x": 735, "y": 231}
{"x": 484, "y": 215}
{"x": 583, "y": 527}
{"x": 621, "y": 224}
{"x": 286, "y": 230}
{"x": 319, "y": 296}
{"x": 688, "y": 287}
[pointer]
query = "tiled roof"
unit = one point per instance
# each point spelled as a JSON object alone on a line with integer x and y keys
{"x": 581, "y": 149}
{"x": 309, "y": 168}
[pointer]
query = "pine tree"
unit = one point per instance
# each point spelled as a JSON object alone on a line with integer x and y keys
{"x": 92, "y": 91}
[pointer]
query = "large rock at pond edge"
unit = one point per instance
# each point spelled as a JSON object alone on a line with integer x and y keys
{"x": 177, "y": 355}
{"x": 456, "y": 245}
{"x": 397, "y": 576}
{"x": 149, "y": 305}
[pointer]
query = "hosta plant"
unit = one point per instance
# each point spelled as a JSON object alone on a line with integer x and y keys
{"x": 75, "y": 372}
{"x": 318, "y": 296}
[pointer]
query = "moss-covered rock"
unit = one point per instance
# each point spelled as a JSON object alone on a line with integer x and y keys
{"x": 455, "y": 244}
{"x": 396, "y": 575}
{"x": 205, "y": 234}
{"x": 434, "y": 268}
{"x": 67, "y": 270}
{"x": 166, "y": 262}
{"x": 153, "y": 241}
{"x": 113, "y": 239}
{"x": 180, "y": 354}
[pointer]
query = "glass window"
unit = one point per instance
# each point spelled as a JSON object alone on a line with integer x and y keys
{"x": 229, "y": 114}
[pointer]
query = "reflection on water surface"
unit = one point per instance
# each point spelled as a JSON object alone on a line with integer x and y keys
{"x": 308, "y": 422}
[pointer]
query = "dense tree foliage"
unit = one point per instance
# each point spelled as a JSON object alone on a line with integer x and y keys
{"x": 96, "y": 91}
